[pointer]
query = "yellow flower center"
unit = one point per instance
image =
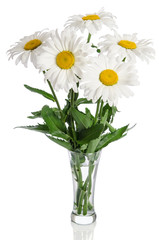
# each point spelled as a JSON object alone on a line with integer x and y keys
{"x": 32, "y": 44}
{"x": 127, "y": 44}
{"x": 65, "y": 59}
{"x": 108, "y": 77}
{"x": 91, "y": 17}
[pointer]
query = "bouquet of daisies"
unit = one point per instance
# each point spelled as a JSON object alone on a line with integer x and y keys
{"x": 105, "y": 72}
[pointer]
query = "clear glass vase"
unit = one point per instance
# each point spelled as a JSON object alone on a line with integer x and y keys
{"x": 84, "y": 170}
{"x": 83, "y": 232}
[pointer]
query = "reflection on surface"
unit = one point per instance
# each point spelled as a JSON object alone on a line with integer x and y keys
{"x": 83, "y": 232}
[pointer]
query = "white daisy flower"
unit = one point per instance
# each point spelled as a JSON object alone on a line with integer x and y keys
{"x": 127, "y": 46}
{"x": 108, "y": 80}
{"x": 92, "y": 22}
{"x": 64, "y": 58}
{"x": 28, "y": 47}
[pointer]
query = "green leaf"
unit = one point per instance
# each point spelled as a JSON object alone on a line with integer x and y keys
{"x": 43, "y": 128}
{"x": 35, "y": 115}
{"x": 114, "y": 110}
{"x": 57, "y": 112}
{"x": 111, "y": 128}
{"x": 111, "y": 137}
{"x": 92, "y": 145}
{"x": 104, "y": 117}
{"x": 41, "y": 92}
{"x": 88, "y": 113}
{"x": 52, "y": 121}
{"x": 83, "y": 147}
{"x": 82, "y": 101}
{"x": 60, "y": 142}
{"x": 110, "y": 111}
{"x": 61, "y": 134}
{"x": 83, "y": 121}
{"x": 86, "y": 135}
{"x": 66, "y": 111}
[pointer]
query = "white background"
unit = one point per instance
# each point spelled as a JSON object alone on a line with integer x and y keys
{"x": 35, "y": 177}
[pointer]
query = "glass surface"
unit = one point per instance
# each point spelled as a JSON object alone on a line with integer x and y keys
{"x": 83, "y": 232}
{"x": 84, "y": 170}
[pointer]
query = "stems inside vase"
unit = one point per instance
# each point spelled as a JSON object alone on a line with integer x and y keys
{"x": 84, "y": 181}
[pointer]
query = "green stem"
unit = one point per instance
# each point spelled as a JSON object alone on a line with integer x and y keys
{"x": 93, "y": 46}
{"x": 72, "y": 98}
{"x": 54, "y": 95}
{"x": 80, "y": 202}
{"x": 91, "y": 168}
{"x": 101, "y": 109}
{"x": 90, "y": 206}
{"x": 75, "y": 172}
{"x": 80, "y": 183}
{"x": 84, "y": 192}
{"x": 72, "y": 121}
{"x": 89, "y": 38}
{"x": 78, "y": 175}
{"x": 85, "y": 205}
{"x": 97, "y": 111}
{"x": 110, "y": 127}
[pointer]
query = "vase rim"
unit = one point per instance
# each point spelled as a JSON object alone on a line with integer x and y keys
{"x": 86, "y": 154}
{"x": 84, "y": 158}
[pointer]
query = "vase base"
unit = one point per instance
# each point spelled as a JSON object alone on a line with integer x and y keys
{"x": 83, "y": 220}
